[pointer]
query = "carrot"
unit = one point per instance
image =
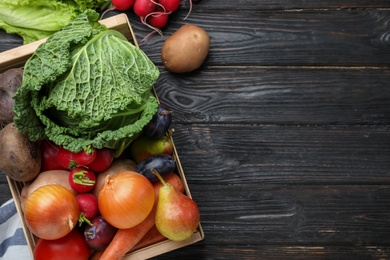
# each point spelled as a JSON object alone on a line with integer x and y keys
{"x": 152, "y": 237}
{"x": 125, "y": 239}
{"x": 96, "y": 255}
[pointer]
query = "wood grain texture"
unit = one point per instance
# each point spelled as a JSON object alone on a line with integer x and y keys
{"x": 284, "y": 132}
{"x": 278, "y": 96}
{"x": 301, "y": 38}
{"x": 277, "y": 155}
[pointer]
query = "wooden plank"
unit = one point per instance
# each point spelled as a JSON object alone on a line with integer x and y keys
{"x": 278, "y": 252}
{"x": 279, "y": 155}
{"x": 5, "y": 193}
{"x": 258, "y": 95}
{"x": 9, "y": 41}
{"x": 301, "y": 38}
{"x": 223, "y": 5}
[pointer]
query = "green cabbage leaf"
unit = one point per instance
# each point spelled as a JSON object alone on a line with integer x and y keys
{"x": 86, "y": 86}
{"x": 37, "y": 19}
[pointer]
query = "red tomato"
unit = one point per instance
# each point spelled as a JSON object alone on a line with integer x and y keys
{"x": 70, "y": 160}
{"x": 82, "y": 179}
{"x": 71, "y": 246}
{"x": 49, "y": 156}
{"x": 102, "y": 161}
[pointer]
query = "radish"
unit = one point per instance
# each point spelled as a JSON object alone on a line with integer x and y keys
{"x": 122, "y": 5}
{"x": 144, "y": 7}
{"x": 170, "y": 5}
{"x": 89, "y": 208}
{"x": 189, "y": 11}
{"x": 158, "y": 19}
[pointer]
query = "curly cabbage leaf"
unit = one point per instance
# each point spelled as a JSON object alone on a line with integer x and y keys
{"x": 86, "y": 86}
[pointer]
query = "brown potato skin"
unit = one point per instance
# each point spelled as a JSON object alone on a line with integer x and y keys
{"x": 20, "y": 158}
{"x": 186, "y": 49}
{"x": 10, "y": 81}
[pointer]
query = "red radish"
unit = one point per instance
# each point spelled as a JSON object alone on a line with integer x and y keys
{"x": 144, "y": 7}
{"x": 122, "y": 5}
{"x": 82, "y": 180}
{"x": 70, "y": 160}
{"x": 102, "y": 161}
{"x": 158, "y": 19}
{"x": 170, "y": 5}
{"x": 89, "y": 208}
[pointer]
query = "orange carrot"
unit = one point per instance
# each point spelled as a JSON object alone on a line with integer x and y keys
{"x": 96, "y": 255}
{"x": 125, "y": 239}
{"x": 152, "y": 237}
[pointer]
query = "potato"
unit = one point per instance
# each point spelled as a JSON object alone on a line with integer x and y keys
{"x": 20, "y": 158}
{"x": 10, "y": 81}
{"x": 186, "y": 49}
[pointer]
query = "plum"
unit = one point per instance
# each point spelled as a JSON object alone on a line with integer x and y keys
{"x": 100, "y": 234}
{"x": 160, "y": 123}
{"x": 162, "y": 163}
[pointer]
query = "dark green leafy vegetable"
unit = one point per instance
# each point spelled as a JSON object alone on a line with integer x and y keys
{"x": 86, "y": 86}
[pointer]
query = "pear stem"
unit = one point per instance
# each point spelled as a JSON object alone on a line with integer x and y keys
{"x": 170, "y": 133}
{"x": 155, "y": 172}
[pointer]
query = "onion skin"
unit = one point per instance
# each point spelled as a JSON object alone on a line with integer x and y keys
{"x": 51, "y": 212}
{"x": 126, "y": 199}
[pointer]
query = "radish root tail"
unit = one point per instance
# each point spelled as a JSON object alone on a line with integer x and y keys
{"x": 189, "y": 11}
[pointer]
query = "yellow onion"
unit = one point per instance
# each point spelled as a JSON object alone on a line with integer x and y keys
{"x": 126, "y": 199}
{"x": 51, "y": 211}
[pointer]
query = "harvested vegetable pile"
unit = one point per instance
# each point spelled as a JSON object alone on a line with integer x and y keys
{"x": 86, "y": 86}
{"x": 37, "y": 19}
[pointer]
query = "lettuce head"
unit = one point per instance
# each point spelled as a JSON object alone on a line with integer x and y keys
{"x": 86, "y": 86}
{"x": 37, "y": 19}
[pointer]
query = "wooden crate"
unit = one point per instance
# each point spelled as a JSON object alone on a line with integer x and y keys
{"x": 16, "y": 58}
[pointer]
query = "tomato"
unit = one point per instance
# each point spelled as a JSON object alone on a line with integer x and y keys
{"x": 70, "y": 160}
{"x": 102, "y": 161}
{"x": 82, "y": 179}
{"x": 49, "y": 156}
{"x": 71, "y": 246}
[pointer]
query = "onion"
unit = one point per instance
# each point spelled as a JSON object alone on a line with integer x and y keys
{"x": 51, "y": 211}
{"x": 126, "y": 199}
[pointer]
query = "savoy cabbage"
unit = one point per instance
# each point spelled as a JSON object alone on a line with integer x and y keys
{"x": 86, "y": 86}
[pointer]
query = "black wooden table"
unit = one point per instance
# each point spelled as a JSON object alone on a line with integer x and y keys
{"x": 284, "y": 133}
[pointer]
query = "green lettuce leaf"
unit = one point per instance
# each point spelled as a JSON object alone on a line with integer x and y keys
{"x": 86, "y": 86}
{"x": 37, "y": 19}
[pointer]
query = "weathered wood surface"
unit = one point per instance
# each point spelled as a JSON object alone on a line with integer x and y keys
{"x": 284, "y": 134}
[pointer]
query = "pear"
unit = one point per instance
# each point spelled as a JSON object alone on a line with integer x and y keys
{"x": 144, "y": 147}
{"x": 177, "y": 215}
